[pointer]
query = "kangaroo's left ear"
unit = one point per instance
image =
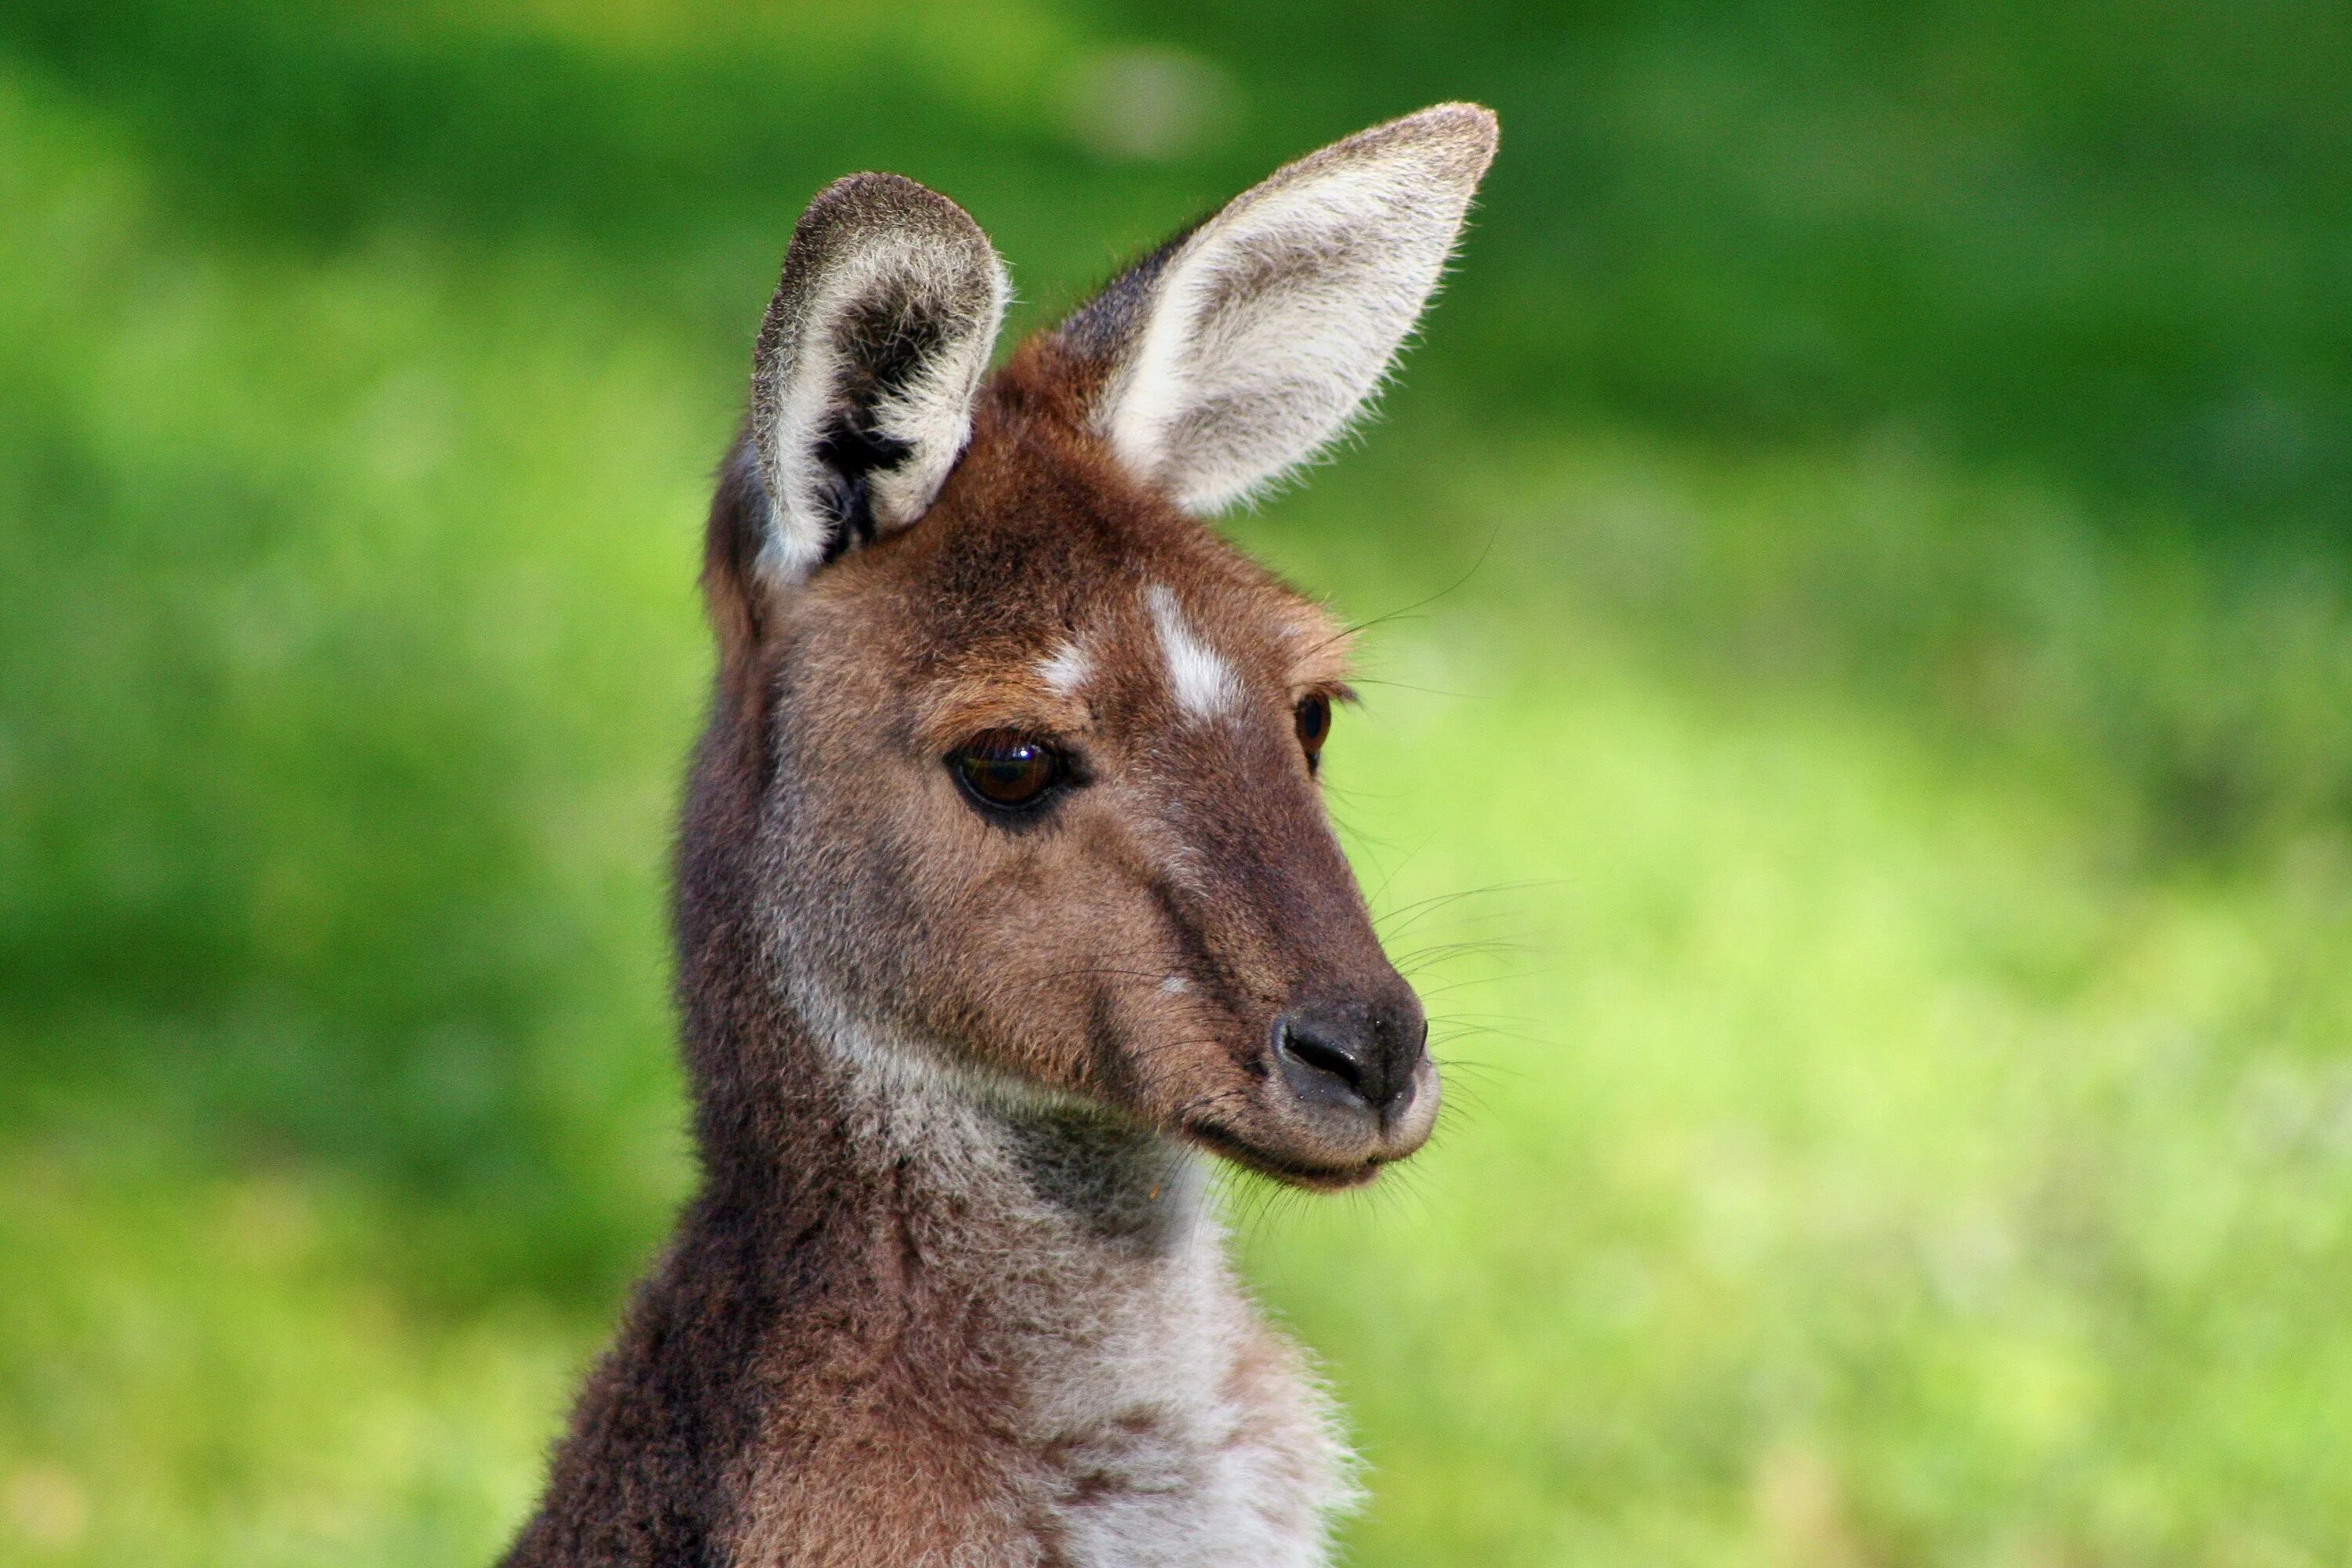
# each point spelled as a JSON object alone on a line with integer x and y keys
{"x": 1241, "y": 348}
{"x": 863, "y": 379}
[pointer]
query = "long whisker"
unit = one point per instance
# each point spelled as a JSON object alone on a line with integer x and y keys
{"x": 1359, "y": 628}
{"x": 1421, "y": 909}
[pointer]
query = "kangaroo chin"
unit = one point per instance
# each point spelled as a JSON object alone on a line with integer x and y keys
{"x": 1005, "y": 899}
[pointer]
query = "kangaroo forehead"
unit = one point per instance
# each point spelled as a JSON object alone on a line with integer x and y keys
{"x": 1049, "y": 590}
{"x": 1023, "y": 590}
{"x": 1147, "y": 645}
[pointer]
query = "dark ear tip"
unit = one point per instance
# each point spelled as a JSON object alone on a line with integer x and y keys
{"x": 1472, "y": 121}
{"x": 857, "y": 205}
{"x": 1461, "y": 136}
{"x": 1463, "y": 108}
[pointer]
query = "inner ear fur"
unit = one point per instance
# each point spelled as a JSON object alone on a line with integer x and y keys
{"x": 867, "y": 365}
{"x": 1243, "y": 347}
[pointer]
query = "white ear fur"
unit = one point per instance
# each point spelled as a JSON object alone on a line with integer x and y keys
{"x": 867, "y": 362}
{"x": 1247, "y": 345}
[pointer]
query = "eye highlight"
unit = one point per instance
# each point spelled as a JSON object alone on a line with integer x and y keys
{"x": 1313, "y": 718}
{"x": 1005, "y": 770}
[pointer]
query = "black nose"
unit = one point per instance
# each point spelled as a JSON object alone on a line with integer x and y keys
{"x": 1352, "y": 1055}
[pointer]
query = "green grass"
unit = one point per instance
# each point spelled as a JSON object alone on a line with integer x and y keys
{"x": 1870, "y": 799}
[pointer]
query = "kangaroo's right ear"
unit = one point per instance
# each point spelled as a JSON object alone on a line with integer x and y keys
{"x": 1246, "y": 344}
{"x": 867, "y": 362}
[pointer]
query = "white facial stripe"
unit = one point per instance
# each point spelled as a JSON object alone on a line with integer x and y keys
{"x": 1065, "y": 669}
{"x": 1204, "y": 684}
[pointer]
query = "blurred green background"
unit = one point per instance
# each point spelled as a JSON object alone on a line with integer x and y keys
{"x": 1859, "y": 754}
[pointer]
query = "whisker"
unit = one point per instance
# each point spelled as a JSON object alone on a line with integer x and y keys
{"x": 1456, "y": 585}
{"x": 1421, "y": 909}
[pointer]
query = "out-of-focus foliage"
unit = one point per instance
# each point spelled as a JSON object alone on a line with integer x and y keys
{"x": 1885, "y": 476}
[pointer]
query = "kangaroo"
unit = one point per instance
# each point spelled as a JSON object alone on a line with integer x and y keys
{"x": 1004, "y": 894}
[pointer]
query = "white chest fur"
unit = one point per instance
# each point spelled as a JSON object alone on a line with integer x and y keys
{"x": 1162, "y": 1422}
{"x": 1184, "y": 1431}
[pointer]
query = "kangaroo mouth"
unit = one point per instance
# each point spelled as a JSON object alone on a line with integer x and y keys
{"x": 1289, "y": 1170}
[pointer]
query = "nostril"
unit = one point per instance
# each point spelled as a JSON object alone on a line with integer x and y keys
{"x": 1328, "y": 1059}
{"x": 1302, "y": 1047}
{"x": 1350, "y": 1057}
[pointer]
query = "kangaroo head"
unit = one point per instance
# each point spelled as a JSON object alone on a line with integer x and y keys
{"x": 1026, "y": 754}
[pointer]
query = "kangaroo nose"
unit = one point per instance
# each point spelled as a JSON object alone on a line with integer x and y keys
{"x": 1352, "y": 1057}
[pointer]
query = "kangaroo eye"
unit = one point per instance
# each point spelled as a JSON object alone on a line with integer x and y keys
{"x": 1313, "y": 719}
{"x": 1006, "y": 771}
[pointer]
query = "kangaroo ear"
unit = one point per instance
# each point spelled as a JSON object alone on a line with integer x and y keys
{"x": 863, "y": 381}
{"x": 1243, "y": 346}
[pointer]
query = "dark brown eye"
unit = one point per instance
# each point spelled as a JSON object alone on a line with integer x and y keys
{"x": 1007, "y": 771}
{"x": 1313, "y": 719}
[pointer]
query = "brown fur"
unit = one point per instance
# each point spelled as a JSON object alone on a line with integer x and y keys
{"x": 948, "y": 1292}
